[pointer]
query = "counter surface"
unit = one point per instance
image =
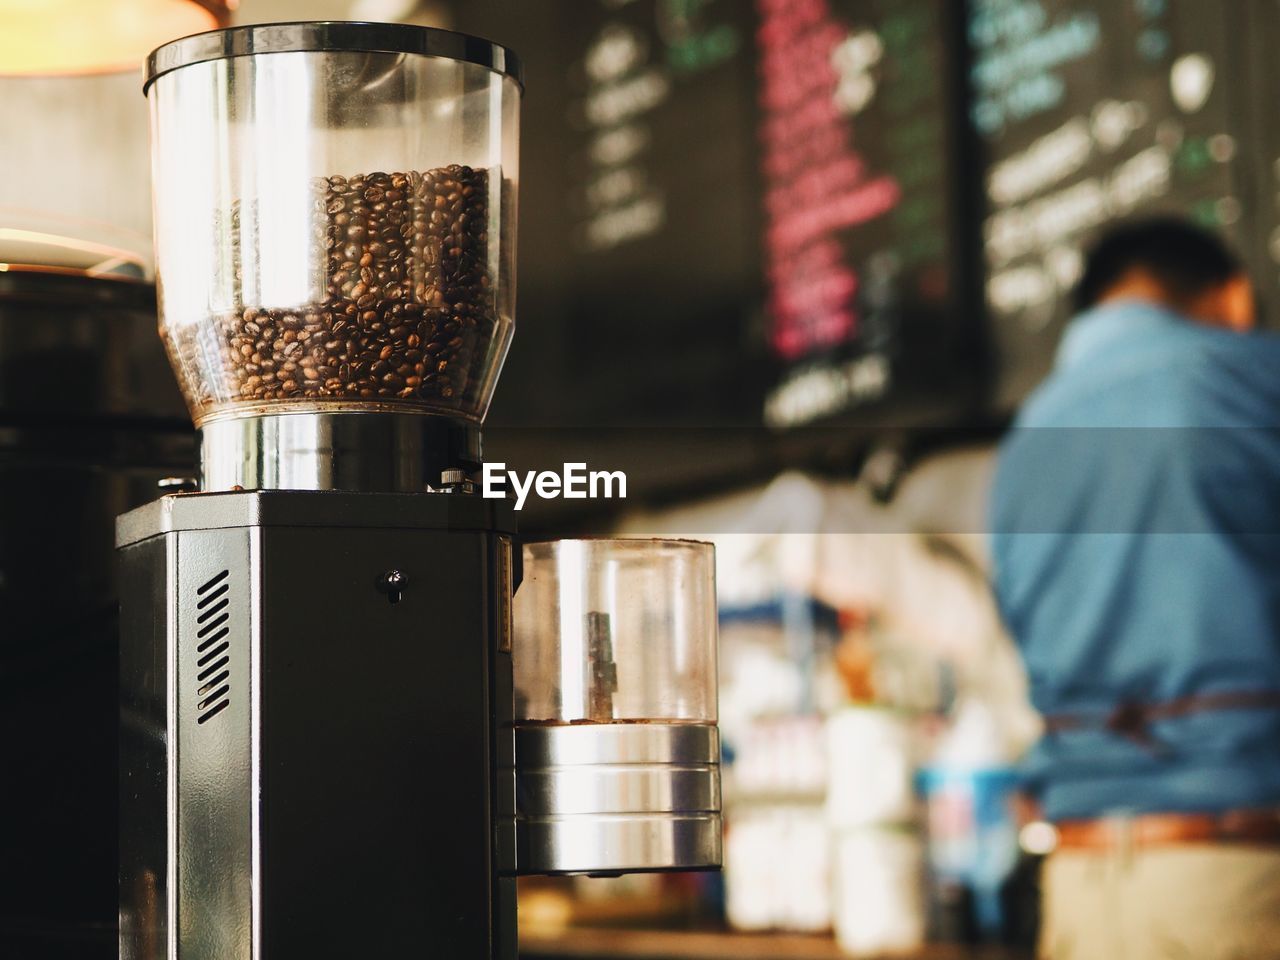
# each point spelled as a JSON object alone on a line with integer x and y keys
{"x": 590, "y": 944}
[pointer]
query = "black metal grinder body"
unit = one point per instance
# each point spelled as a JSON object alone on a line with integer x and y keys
{"x": 317, "y": 743}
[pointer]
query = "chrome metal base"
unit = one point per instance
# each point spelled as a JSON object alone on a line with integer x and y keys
{"x": 358, "y": 452}
{"x": 617, "y": 797}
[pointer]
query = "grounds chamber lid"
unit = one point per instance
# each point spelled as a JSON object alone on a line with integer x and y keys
{"x": 331, "y": 35}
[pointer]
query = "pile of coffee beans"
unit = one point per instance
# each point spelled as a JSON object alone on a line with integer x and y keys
{"x": 407, "y": 312}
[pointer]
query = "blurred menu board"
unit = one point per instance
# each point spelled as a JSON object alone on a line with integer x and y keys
{"x": 1091, "y": 112}
{"x": 662, "y": 191}
{"x": 740, "y": 211}
{"x": 863, "y": 189}
{"x": 766, "y": 201}
{"x": 800, "y": 211}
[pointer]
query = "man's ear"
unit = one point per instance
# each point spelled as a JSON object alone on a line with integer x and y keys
{"x": 1238, "y": 307}
{"x": 1230, "y": 305}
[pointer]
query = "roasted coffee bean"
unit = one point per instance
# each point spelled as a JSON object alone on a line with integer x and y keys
{"x": 406, "y": 307}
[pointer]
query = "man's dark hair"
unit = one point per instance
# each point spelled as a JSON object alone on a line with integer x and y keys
{"x": 1186, "y": 260}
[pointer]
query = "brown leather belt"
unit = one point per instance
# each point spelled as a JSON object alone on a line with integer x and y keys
{"x": 1133, "y": 719}
{"x": 1258, "y": 827}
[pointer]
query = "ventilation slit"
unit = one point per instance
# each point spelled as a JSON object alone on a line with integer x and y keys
{"x": 220, "y": 592}
{"x": 206, "y": 644}
{"x": 208, "y": 628}
{"x": 213, "y": 668}
{"x": 212, "y": 611}
{"x": 214, "y": 582}
{"x": 214, "y": 682}
{"x": 214, "y": 697}
{"x": 213, "y": 654}
{"x": 213, "y": 711}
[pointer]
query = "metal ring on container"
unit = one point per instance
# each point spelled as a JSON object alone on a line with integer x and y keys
{"x": 604, "y": 845}
{"x": 545, "y": 745}
{"x": 331, "y": 35}
{"x": 617, "y": 797}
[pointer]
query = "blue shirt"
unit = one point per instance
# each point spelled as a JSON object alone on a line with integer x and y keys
{"x": 1136, "y": 548}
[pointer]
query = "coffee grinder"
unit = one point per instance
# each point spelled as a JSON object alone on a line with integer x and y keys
{"x": 319, "y": 742}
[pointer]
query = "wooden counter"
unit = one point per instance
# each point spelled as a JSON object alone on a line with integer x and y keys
{"x": 605, "y": 944}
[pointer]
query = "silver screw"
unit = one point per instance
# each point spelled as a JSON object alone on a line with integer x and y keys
{"x": 392, "y": 583}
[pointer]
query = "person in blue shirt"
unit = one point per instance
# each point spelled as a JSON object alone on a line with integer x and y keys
{"x": 1135, "y": 521}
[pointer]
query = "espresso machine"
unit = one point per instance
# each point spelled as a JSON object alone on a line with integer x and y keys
{"x": 343, "y": 731}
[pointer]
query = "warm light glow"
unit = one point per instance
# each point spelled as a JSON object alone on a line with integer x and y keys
{"x": 55, "y": 251}
{"x": 93, "y": 36}
{"x": 1038, "y": 838}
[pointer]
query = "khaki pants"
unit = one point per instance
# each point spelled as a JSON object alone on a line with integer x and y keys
{"x": 1176, "y": 902}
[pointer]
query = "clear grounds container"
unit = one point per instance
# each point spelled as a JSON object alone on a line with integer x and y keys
{"x": 335, "y": 217}
{"x": 616, "y": 760}
{"x": 609, "y": 631}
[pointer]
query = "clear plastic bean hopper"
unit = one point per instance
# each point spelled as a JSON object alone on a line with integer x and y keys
{"x": 617, "y": 750}
{"x": 334, "y": 233}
